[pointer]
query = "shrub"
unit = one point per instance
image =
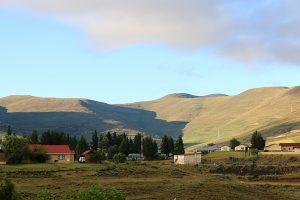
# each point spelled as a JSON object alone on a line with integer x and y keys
{"x": 38, "y": 155}
{"x": 119, "y": 158}
{"x": 7, "y": 190}
{"x": 97, "y": 156}
{"x": 112, "y": 150}
{"x": 15, "y": 148}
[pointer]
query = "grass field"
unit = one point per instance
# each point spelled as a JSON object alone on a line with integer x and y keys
{"x": 146, "y": 180}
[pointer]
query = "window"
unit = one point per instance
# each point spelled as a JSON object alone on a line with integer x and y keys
{"x": 61, "y": 157}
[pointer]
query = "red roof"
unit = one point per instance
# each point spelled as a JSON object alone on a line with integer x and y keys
{"x": 86, "y": 152}
{"x": 290, "y": 144}
{"x": 52, "y": 149}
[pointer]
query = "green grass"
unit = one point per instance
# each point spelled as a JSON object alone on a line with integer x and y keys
{"x": 144, "y": 180}
{"x": 222, "y": 155}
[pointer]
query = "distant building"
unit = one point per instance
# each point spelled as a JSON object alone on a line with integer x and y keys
{"x": 209, "y": 149}
{"x": 272, "y": 147}
{"x": 291, "y": 147}
{"x": 242, "y": 147}
{"x": 56, "y": 153}
{"x": 84, "y": 157}
{"x": 225, "y": 148}
{"x": 135, "y": 156}
{"x": 188, "y": 159}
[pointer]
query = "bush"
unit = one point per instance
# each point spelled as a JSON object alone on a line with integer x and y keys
{"x": 119, "y": 158}
{"x": 97, "y": 156}
{"x": 7, "y": 190}
{"x": 15, "y": 149}
{"x": 112, "y": 150}
{"x": 39, "y": 155}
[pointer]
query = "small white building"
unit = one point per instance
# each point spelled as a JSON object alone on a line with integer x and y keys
{"x": 272, "y": 147}
{"x": 188, "y": 159}
{"x": 225, "y": 148}
{"x": 241, "y": 147}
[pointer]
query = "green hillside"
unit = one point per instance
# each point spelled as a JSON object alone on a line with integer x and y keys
{"x": 201, "y": 119}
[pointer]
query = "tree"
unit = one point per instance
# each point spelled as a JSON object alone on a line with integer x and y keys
{"x": 82, "y": 145}
{"x": 104, "y": 143}
{"x": 119, "y": 158}
{"x": 97, "y": 156}
{"x": 34, "y": 138}
{"x": 109, "y": 137}
{"x": 124, "y": 147}
{"x": 112, "y": 150}
{"x": 179, "y": 146}
{"x": 15, "y": 148}
{"x": 149, "y": 148}
{"x": 171, "y": 145}
{"x": 9, "y": 130}
{"x": 257, "y": 141}
{"x": 137, "y": 143}
{"x": 234, "y": 143}
{"x": 95, "y": 141}
{"x": 165, "y": 145}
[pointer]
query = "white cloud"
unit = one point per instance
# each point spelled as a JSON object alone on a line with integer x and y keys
{"x": 248, "y": 31}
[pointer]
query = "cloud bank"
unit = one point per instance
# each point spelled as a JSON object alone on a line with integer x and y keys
{"x": 245, "y": 31}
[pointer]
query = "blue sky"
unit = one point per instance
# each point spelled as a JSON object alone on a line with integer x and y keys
{"x": 50, "y": 53}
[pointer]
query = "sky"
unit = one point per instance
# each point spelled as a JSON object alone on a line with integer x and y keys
{"x": 121, "y": 51}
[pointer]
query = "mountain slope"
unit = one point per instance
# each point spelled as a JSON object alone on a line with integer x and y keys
{"x": 220, "y": 118}
{"x": 201, "y": 119}
{"x": 78, "y": 116}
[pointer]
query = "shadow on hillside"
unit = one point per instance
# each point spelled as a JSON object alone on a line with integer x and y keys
{"x": 84, "y": 123}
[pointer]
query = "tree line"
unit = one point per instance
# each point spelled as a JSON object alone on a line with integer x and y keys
{"x": 102, "y": 145}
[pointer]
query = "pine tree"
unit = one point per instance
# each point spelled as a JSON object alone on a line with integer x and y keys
{"x": 165, "y": 145}
{"x": 34, "y": 138}
{"x": 82, "y": 145}
{"x": 149, "y": 148}
{"x": 257, "y": 141}
{"x": 124, "y": 147}
{"x": 109, "y": 137}
{"x": 171, "y": 145}
{"x": 95, "y": 141}
{"x": 137, "y": 143}
{"x": 179, "y": 146}
{"x": 9, "y": 130}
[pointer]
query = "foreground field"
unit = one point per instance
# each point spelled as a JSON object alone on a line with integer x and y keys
{"x": 146, "y": 180}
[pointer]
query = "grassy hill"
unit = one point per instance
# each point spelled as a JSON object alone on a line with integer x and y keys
{"x": 78, "y": 116}
{"x": 201, "y": 119}
{"x": 218, "y": 118}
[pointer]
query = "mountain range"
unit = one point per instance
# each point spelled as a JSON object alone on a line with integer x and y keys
{"x": 216, "y": 118}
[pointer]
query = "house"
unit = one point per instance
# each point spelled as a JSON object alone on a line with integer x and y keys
{"x": 208, "y": 149}
{"x": 135, "y": 156}
{"x": 272, "y": 148}
{"x": 56, "y": 153}
{"x": 242, "y": 147}
{"x": 188, "y": 159}
{"x": 290, "y": 147}
{"x": 225, "y": 148}
{"x": 84, "y": 157}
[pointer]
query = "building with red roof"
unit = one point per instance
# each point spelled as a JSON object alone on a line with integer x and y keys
{"x": 56, "y": 153}
{"x": 290, "y": 147}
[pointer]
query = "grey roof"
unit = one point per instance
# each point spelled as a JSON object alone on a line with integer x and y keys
{"x": 209, "y": 148}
